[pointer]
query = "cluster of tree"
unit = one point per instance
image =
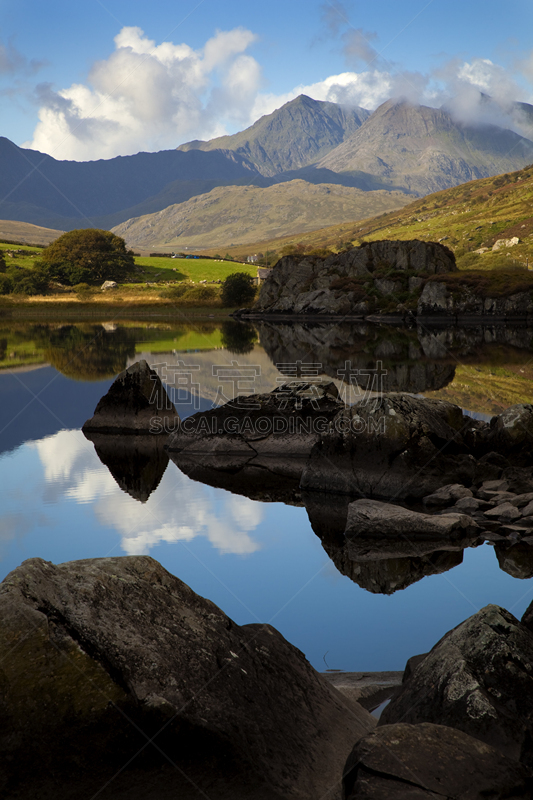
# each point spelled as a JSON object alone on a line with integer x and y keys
{"x": 238, "y": 289}
{"x": 20, "y": 280}
{"x": 88, "y": 256}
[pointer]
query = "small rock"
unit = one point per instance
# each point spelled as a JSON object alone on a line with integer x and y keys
{"x": 447, "y": 494}
{"x": 505, "y": 512}
{"x": 495, "y": 486}
{"x": 494, "y": 497}
{"x": 468, "y": 505}
{"x": 108, "y": 285}
{"x": 528, "y": 510}
{"x": 522, "y": 500}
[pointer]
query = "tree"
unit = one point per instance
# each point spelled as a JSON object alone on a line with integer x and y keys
{"x": 88, "y": 256}
{"x": 237, "y": 289}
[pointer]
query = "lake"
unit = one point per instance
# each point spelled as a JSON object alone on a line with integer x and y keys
{"x": 259, "y": 560}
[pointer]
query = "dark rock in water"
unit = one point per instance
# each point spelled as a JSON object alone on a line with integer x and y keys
{"x": 512, "y": 432}
{"x": 516, "y": 560}
{"x": 427, "y": 762}
{"x": 477, "y": 679}
{"x": 137, "y": 463}
{"x": 382, "y": 564}
{"x": 119, "y": 681}
{"x": 392, "y": 446}
{"x": 447, "y": 495}
{"x": 376, "y": 519}
{"x": 285, "y": 422}
{"x": 137, "y": 403}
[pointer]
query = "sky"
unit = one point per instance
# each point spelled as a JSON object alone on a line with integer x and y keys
{"x": 102, "y": 78}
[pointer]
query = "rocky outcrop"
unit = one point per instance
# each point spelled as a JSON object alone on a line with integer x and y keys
{"x": 427, "y": 762}
{"x": 118, "y": 679}
{"x": 477, "y": 679}
{"x": 392, "y": 446}
{"x": 336, "y": 285}
{"x": 137, "y": 403}
{"x": 438, "y": 297}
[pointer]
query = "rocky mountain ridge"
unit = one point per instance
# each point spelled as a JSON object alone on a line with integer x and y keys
{"x": 410, "y": 149}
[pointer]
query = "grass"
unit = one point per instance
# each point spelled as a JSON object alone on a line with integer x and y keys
{"x": 191, "y": 269}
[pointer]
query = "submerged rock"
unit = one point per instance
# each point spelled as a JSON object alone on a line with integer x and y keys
{"x": 427, "y": 762}
{"x": 118, "y": 679}
{"x": 137, "y": 402}
{"x": 478, "y": 679}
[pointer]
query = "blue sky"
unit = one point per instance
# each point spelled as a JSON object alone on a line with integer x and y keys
{"x": 108, "y": 77}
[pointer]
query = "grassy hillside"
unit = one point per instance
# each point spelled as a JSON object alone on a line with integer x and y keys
{"x": 243, "y": 214}
{"x": 465, "y": 218}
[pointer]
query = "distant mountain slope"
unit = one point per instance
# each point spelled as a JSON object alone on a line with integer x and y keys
{"x": 423, "y": 150}
{"x": 295, "y": 135}
{"x": 248, "y": 214}
{"x": 35, "y": 187}
{"x": 26, "y": 233}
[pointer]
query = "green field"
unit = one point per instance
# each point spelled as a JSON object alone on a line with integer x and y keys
{"x": 192, "y": 269}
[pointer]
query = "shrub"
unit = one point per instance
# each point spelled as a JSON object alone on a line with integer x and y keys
{"x": 27, "y": 281}
{"x": 6, "y": 284}
{"x": 188, "y": 294}
{"x": 237, "y": 289}
{"x": 88, "y": 256}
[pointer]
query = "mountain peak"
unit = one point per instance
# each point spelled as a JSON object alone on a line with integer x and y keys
{"x": 294, "y": 136}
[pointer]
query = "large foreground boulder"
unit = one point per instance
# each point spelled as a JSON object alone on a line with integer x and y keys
{"x": 119, "y": 681}
{"x": 477, "y": 679}
{"x": 428, "y": 762}
{"x": 137, "y": 403}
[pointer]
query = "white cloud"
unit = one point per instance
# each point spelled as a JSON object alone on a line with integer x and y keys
{"x": 225, "y": 520}
{"x": 150, "y": 97}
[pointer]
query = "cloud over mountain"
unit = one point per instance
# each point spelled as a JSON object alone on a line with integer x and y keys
{"x": 150, "y": 97}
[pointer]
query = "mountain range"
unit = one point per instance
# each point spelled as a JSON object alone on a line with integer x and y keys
{"x": 246, "y": 214}
{"x": 397, "y": 148}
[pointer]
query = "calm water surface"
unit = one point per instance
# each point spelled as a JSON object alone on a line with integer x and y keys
{"x": 258, "y": 561}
